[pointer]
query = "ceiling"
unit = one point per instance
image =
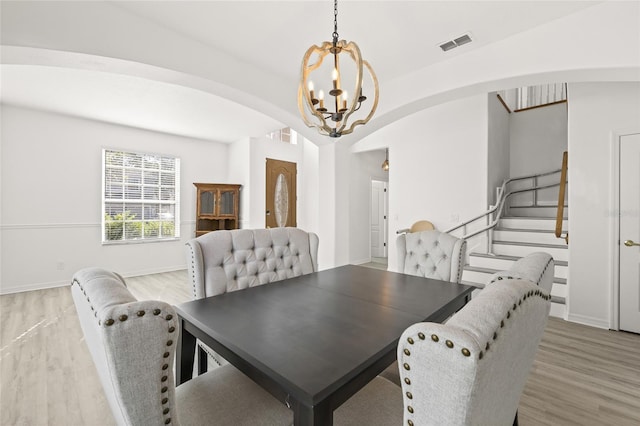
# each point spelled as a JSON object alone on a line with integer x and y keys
{"x": 398, "y": 38}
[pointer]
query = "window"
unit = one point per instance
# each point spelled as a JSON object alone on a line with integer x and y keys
{"x": 286, "y": 134}
{"x": 141, "y": 197}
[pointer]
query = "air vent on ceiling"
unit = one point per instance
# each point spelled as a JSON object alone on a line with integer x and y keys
{"x": 458, "y": 41}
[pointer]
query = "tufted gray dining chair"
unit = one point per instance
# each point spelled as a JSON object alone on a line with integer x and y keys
{"x": 431, "y": 254}
{"x": 133, "y": 346}
{"x": 223, "y": 261}
{"x": 470, "y": 371}
{"x": 473, "y": 369}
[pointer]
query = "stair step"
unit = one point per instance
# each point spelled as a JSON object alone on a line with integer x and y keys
{"x": 558, "y": 303}
{"x": 474, "y": 275}
{"x": 481, "y": 269}
{"x": 510, "y": 248}
{"x": 511, "y": 258}
{"x": 529, "y": 211}
{"x": 543, "y": 236}
{"x": 526, "y": 222}
{"x": 558, "y": 310}
{"x": 491, "y": 271}
{"x": 504, "y": 262}
{"x": 473, "y": 284}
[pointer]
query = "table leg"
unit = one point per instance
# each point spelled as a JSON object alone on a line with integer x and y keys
{"x": 320, "y": 415}
{"x": 185, "y": 353}
{"x": 203, "y": 360}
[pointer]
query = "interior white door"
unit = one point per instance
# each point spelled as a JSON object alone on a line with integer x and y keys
{"x": 630, "y": 233}
{"x": 378, "y": 218}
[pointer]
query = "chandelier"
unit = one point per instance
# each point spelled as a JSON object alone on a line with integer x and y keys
{"x": 331, "y": 115}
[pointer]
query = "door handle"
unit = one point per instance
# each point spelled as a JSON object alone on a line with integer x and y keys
{"x": 630, "y": 243}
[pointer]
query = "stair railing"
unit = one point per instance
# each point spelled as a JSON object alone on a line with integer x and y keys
{"x": 494, "y": 213}
{"x": 561, "y": 196}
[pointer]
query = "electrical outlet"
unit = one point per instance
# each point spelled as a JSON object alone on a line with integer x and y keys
{"x": 455, "y": 217}
{"x": 60, "y": 266}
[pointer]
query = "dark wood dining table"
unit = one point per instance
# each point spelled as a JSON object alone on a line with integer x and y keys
{"x": 313, "y": 341}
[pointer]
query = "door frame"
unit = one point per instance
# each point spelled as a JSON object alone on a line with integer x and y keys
{"x": 614, "y": 267}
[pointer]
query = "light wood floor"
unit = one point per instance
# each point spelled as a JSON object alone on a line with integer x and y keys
{"x": 581, "y": 376}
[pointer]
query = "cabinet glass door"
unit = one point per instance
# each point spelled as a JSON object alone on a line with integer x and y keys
{"x": 207, "y": 203}
{"x": 227, "y": 203}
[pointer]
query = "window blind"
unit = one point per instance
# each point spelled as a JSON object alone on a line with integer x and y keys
{"x": 141, "y": 196}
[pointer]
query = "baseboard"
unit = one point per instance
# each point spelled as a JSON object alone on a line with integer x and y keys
{"x": 54, "y": 284}
{"x": 360, "y": 262}
{"x": 590, "y": 321}
{"x": 34, "y": 287}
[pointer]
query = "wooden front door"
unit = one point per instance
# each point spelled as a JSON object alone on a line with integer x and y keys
{"x": 281, "y": 194}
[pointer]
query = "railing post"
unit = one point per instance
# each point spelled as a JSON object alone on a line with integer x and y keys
{"x": 490, "y": 219}
{"x": 535, "y": 191}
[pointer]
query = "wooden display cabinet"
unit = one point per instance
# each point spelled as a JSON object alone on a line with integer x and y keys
{"x": 217, "y": 207}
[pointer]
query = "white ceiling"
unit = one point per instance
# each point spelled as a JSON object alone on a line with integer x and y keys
{"x": 398, "y": 38}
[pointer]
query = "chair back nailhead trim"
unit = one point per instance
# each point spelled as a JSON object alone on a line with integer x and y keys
{"x": 464, "y": 351}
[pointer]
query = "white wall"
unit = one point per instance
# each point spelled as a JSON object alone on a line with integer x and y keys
{"x": 327, "y": 178}
{"x": 440, "y": 172}
{"x": 59, "y": 203}
{"x": 240, "y": 173}
{"x": 308, "y": 192}
{"x": 538, "y": 139}
{"x": 51, "y": 197}
{"x": 498, "y": 151}
{"x": 596, "y": 110}
{"x": 343, "y": 203}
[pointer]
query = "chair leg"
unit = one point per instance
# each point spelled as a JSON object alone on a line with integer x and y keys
{"x": 202, "y": 360}
{"x": 515, "y": 420}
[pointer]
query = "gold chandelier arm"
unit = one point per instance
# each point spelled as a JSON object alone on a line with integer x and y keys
{"x": 376, "y": 92}
{"x": 303, "y": 94}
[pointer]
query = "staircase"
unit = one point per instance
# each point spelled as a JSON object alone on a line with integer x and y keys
{"x": 525, "y": 230}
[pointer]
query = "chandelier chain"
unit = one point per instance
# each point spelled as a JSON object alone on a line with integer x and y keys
{"x": 335, "y": 21}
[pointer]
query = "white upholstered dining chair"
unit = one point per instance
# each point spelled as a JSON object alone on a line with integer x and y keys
{"x": 223, "y": 261}
{"x": 133, "y": 346}
{"x": 471, "y": 370}
{"x": 431, "y": 254}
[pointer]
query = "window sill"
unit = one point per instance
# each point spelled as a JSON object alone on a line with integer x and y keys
{"x": 140, "y": 241}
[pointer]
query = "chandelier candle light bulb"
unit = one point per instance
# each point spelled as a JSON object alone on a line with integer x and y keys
{"x": 321, "y": 98}
{"x": 314, "y": 100}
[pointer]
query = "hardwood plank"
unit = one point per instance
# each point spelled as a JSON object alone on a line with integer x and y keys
{"x": 581, "y": 375}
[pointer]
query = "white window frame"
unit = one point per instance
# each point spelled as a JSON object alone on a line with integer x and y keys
{"x": 155, "y": 206}
{"x": 286, "y": 135}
